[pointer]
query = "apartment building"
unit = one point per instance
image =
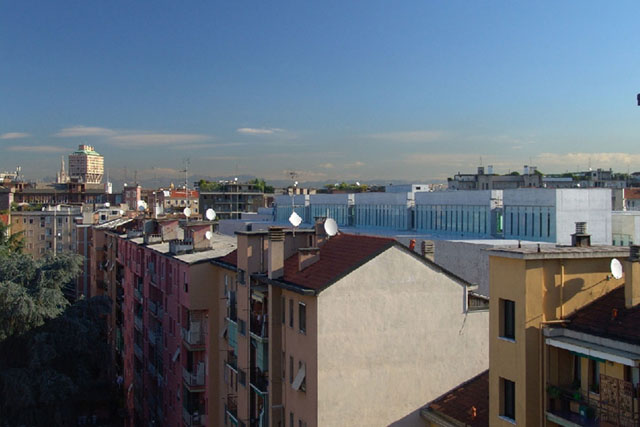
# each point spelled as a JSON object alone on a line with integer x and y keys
{"x": 231, "y": 199}
{"x": 533, "y": 288}
{"x": 343, "y": 330}
{"x": 169, "y": 322}
{"x": 51, "y": 230}
{"x": 174, "y": 201}
{"x": 591, "y": 360}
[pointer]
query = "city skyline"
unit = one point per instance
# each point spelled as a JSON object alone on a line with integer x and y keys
{"x": 358, "y": 91}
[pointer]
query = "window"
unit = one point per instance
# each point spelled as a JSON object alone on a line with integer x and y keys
{"x": 291, "y": 419}
{"x": 594, "y": 376}
{"x": 302, "y": 314}
{"x": 241, "y": 277}
{"x": 242, "y": 326}
{"x": 507, "y": 319}
{"x": 290, "y": 369}
{"x": 291, "y": 313}
{"x": 508, "y": 401}
{"x": 577, "y": 371}
{"x": 242, "y": 377}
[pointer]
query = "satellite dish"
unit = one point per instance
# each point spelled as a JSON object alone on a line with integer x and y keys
{"x": 187, "y": 212}
{"x": 208, "y": 235}
{"x": 121, "y": 212}
{"x": 142, "y": 205}
{"x": 331, "y": 227}
{"x": 295, "y": 219}
{"x": 210, "y": 214}
{"x": 616, "y": 269}
{"x": 358, "y": 183}
{"x": 106, "y": 205}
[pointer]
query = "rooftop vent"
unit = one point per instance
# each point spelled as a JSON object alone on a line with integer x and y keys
{"x": 276, "y": 234}
{"x": 580, "y": 238}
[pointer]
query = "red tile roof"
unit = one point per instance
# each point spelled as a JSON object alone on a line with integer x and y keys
{"x": 632, "y": 193}
{"x": 339, "y": 256}
{"x": 608, "y": 317}
{"x": 460, "y": 402}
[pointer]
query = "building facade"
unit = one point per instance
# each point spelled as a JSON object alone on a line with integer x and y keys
{"x": 232, "y": 199}
{"x": 86, "y": 165}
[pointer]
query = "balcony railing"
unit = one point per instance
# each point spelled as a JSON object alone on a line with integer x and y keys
{"x": 232, "y": 360}
{"x": 193, "y": 336}
{"x": 259, "y": 328}
{"x": 137, "y": 321}
{"x": 153, "y": 307}
{"x": 193, "y": 418}
{"x": 259, "y": 380}
{"x": 138, "y": 351}
{"x": 572, "y": 406}
{"x": 152, "y": 368}
{"x": 194, "y": 380}
{"x": 137, "y": 294}
{"x": 232, "y": 407}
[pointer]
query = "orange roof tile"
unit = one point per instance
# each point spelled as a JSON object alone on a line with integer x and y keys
{"x": 460, "y": 402}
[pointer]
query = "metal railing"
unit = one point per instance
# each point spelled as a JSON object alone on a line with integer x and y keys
{"x": 193, "y": 336}
{"x": 259, "y": 380}
{"x": 191, "y": 379}
{"x": 137, "y": 321}
{"x": 193, "y": 418}
{"x": 138, "y": 351}
{"x": 232, "y": 360}
{"x": 259, "y": 328}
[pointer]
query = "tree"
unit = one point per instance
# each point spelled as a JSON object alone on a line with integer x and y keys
{"x": 13, "y": 242}
{"x": 53, "y": 355}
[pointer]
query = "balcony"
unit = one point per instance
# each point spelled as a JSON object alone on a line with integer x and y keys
{"x": 138, "y": 351}
{"x": 155, "y": 337}
{"x": 194, "y": 336}
{"x": 138, "y": 377}
{"x": 153, "y": 307}
{"x": 231, "y": 408}
{"x": 152, "y": 368}
{"x": 137, "y": 294}
{"x": 137, "y": 321}
{"x": 194, "y": 381}
{"x": 259, "y": 381}
{"x": 571, "y": 407}
{"x": 193, "y": 418}
{"x": 259, "y": 329}
{"x": 232, "y": 360}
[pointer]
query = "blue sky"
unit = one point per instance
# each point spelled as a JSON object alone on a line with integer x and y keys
{"x": 357, "y": 90}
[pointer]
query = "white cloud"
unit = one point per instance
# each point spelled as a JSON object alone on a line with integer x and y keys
{"x": 259, "y": 131}
{"x": 80, "y": 130}
{"x": 356, "y": 164}
{"x": 571, "y": 161}
{"x": 326, "y": 165}
{"x": 38, "y": 149}
{"x": 135, "y": 140}
{"x": 410, "y": 136}
{"x": 14, "y": 135}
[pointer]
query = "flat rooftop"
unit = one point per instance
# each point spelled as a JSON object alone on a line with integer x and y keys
{"x": 561, "y": 252}
{"x": 221, "y": 245}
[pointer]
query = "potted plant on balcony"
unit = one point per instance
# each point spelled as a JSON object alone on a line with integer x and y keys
{"x": 574, "y": 405}
{"x": 554, "y": 395}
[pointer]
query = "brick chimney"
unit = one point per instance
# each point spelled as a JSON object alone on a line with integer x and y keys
{"x": 307, "y": 256}
{"x": 276, "y": 253}
{"x": 580, "y": 238}
{"x": 320, "y": 235}
{"x": 632, "y": 278}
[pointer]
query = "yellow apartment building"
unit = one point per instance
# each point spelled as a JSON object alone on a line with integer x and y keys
{"x": 531, "y": 290}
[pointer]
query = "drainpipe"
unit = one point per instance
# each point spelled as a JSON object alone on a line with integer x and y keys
{"x": 561, "y": 291}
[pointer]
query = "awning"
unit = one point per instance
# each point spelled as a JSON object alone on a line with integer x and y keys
{"x": 595, "y": 351}
{"x": 297, "y": 382}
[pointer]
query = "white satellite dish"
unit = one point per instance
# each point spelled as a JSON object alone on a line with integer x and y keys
{"x": 358, "y": 183}
{"x": 142, "y": 206}
{"x": 331, "y": 227}
{"x": 616, "y": 269}
{"x": 208, "y": 235}
{"x": 210, "y": 214}
{"x": 295, "y": 219}
{"x": 106, "y": 205}
{"x": 187, "y": 212}
{"x": 121, "y": 212}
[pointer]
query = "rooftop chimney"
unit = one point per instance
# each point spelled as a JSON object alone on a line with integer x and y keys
{"x": 320, "y": 233}
{"x": 580, "y": 238}
{"x": 307, "y": 256}
{"x": 632, "y": 278}
{"x": 276, "y": 252}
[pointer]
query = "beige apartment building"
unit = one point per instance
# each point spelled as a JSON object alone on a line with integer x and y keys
{"x": 343, "y": 330}
{"x": 47, "y": 231}
{"x": 532, "y": 289}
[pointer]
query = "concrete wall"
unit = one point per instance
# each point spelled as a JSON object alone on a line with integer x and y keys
{"x": 392, "y": 336}
{"x": 591, "y": 205}
{"x": 625, "y": 228}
